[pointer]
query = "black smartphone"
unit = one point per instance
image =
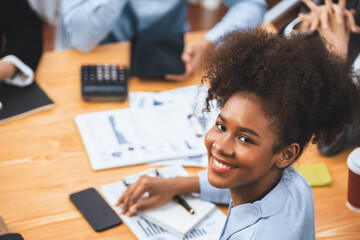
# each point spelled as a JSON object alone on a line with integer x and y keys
{"x": 95, "y": 209}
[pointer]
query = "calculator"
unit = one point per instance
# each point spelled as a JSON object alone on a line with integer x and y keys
{"x": 106, "y": 82}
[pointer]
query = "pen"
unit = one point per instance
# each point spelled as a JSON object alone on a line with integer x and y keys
{"x": 184, "y": 204}
{"x": 180, "y": 200}
{"x": 125, "y": 183}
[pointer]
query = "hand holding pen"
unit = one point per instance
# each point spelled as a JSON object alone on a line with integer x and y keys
{"x": 179, "y": 199}
{"x": 160, "y": 191}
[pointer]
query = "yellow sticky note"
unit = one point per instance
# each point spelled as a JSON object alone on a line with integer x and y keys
{"x": 317, "y": 174}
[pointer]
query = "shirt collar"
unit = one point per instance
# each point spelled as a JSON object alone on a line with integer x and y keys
{"x": 244, "y": 215}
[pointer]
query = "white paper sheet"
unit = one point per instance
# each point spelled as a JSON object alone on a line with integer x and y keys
{"x": 133, "y": 136}
{"x": 193, "y": 96}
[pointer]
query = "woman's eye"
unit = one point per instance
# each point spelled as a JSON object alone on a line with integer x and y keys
{"x": 220, "y": 127}
{"x": 245, "y": 139}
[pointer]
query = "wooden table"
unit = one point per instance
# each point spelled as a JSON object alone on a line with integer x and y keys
{"x": 43, "y": 159}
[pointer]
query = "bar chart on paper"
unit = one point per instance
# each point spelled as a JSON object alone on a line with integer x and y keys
{"x": 208, "y": 229}
{"x": 151, "y": 230}
{"x": 133, "y": 136}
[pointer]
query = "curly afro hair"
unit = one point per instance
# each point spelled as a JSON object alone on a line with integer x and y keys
{"x": 305, "y": 90}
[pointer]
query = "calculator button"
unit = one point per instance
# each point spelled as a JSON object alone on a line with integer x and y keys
{"x": 122, "y": 79}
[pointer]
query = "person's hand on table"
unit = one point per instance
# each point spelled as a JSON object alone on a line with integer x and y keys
{"x": 333, "y": 22}
{"x": 192, "y": 56}
{"x": 160, "y": 191}
{"x": 7, "y": 70}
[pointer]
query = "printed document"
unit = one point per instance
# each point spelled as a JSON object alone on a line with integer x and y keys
{"x": 133, "y": 136}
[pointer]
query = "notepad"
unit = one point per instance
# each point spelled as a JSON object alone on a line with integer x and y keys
{"x": 176, "y": 219}
{"x": 207, "y": 228}
{"x": 316, "y": 174}
{"x": 19, "y": 102}
{"x": 171, "y": 216}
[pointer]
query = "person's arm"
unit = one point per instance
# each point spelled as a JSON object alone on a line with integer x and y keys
{"x": 87, "y": 22}
{"x": 320, "y": 16}
{"x": 334, "y": 22}
{"x": 23, "y": 34}
{"x": 24, "y": 43}
{"x": 14, "y": 72}
{"x": 162, "y": 190}
{"x": 241, "y": 14}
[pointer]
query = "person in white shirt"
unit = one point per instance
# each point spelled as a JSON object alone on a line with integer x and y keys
{"x": 271, "y": 91}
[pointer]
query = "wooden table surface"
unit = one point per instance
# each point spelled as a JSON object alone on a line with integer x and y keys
{"x": 43, "y": 159}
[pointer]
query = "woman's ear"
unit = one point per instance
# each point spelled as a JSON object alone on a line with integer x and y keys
{"x": 288, "y": 155}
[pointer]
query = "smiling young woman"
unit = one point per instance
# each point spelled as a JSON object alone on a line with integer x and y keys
{"x": 276, "y": 94}
{"x": 240, "y": 150}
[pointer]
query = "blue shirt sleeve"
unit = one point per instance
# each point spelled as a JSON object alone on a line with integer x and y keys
{"x": 210, "y": 193}
{"x": 83, "y": 24}
{"x": 241, "y": 14}
{"x": 86, "y": 22}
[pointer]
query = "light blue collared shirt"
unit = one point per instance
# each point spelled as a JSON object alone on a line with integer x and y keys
{"x": 286, "y": 212}
{"x": 83, "y": 24}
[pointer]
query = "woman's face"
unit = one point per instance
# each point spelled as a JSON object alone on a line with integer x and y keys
{"x": 240, "y": 145}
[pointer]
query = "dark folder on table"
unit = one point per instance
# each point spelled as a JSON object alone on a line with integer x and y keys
{"x": 157, "y": 55}
{"x": 19, "y": 102}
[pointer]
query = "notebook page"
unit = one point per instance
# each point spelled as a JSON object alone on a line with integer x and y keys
{"x": 209, "y": 228}
{"x": 175, "y": 219}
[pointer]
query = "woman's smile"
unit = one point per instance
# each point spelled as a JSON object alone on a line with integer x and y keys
{"x": 221, "y": 166}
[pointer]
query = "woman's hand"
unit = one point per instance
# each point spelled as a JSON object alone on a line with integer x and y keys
{"x": 160, "y": 191}
{"x": 192, "y": 56}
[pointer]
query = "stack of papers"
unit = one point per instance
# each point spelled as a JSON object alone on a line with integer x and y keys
{"x": 166, "y": 126}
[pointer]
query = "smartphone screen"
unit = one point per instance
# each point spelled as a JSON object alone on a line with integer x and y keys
{"x": 95, "y": 209}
